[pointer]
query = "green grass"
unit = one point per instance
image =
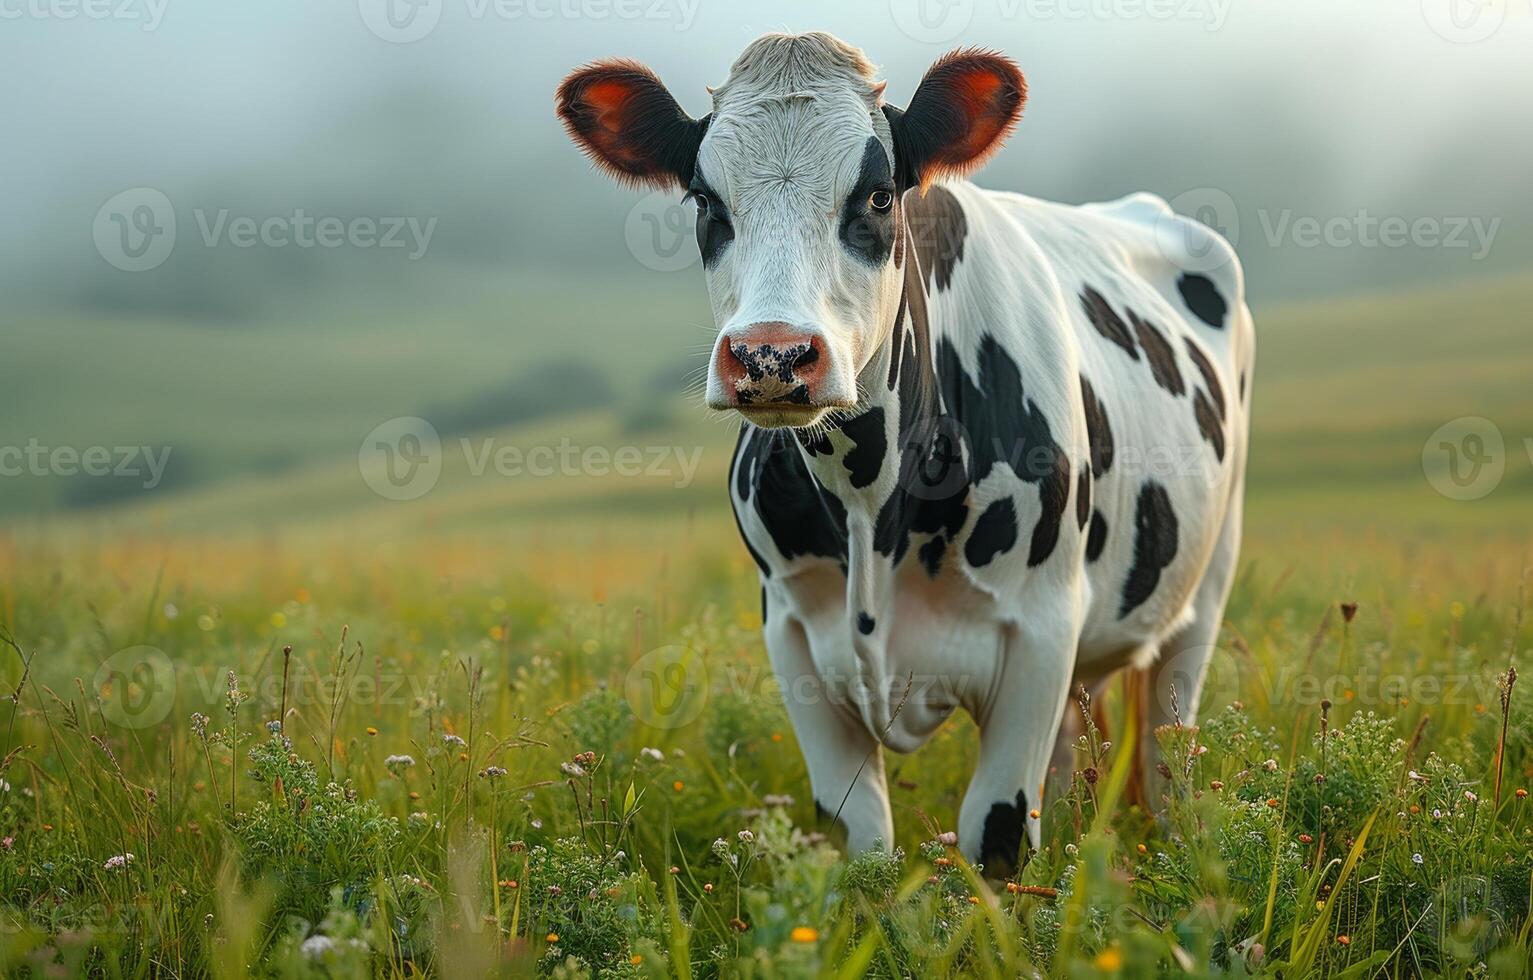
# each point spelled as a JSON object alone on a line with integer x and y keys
{"x": 249, "y": 842}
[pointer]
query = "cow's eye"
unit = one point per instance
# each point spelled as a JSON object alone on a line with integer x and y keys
{"x": 881, "y": 200}
{"x": 701, "y": 200}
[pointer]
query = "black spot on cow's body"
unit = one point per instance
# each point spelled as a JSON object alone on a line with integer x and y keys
{"x": 816, "y": 443}
{"x": 1210, "y": 376}
{"x": 763, "y": 604}
{"x": 995, "y": 532}
{"x": 1096, "y": 538}
{"x": 1107, "y": 321}
{"x": 1004, "y": 426}
{"x": 899, "y": 338}
{"x": 931, "y": 555}
{"x": 1159, "y": 352}
{"x": 938, "y": 229}
{"x": 1005, "y": 830}
{"x": 867, "y": 232}
{"x": 865, "y": 624}
{"x": 802, "y": 517}
{"x": 1098, "y": 431}
{"x": 1209, "y": 424}
{"x": 1155, "y": 540}
{"x": 1083, "y": 497}
{"x": 1203, "y": 299}
{"x": 866, "y": 457}
{"x": 1242, "y": 386}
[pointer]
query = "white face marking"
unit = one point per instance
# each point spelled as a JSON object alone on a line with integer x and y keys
{"x": 783, "y": 153}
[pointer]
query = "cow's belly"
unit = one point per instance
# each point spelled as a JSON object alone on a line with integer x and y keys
{"x": 942, "y": 651}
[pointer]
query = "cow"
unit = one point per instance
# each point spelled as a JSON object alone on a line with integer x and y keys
{"x": 993, "y": 447}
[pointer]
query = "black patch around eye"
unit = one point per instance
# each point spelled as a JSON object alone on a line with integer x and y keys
{"x": 714, "y": 231}
{"x": 866, "y": 233}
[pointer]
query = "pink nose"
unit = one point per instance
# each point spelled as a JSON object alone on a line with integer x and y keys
{"x": 771, "y": 363}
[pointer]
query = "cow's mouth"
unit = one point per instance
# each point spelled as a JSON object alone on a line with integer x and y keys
{"x": 782, "y": 415}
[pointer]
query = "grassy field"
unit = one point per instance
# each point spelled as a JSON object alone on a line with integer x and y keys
{"x": 527, "y": 724}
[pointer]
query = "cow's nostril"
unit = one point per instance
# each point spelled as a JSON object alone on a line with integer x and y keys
{"x": 807, "y": 358}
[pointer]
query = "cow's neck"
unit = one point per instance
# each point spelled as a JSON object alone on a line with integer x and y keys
{"x": 885, "y": 462}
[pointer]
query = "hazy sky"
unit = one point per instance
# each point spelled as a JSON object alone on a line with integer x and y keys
{"x": 1335, "y": 111}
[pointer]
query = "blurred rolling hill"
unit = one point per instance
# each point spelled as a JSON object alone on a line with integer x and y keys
{"x": 1347, "y": 394}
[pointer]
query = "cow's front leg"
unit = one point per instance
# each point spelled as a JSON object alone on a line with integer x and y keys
{"x": 846, "y": 766}
{"x": 1017, "y": 732}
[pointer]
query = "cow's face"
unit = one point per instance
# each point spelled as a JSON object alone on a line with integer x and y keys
{"x": 796, "y": 175}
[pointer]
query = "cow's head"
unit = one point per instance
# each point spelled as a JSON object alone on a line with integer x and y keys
{"x": 797, "y": 175}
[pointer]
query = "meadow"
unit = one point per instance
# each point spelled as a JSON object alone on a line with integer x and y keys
{"x": 276, "y": 725}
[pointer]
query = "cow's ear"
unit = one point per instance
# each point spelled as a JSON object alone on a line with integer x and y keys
{"x": 961, "y": 113}
{"x": 621, "y": 115}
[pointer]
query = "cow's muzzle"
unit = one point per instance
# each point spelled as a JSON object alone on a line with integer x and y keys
{"x": 775, "y": 375}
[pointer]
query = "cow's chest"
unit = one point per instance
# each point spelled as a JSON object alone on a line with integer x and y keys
{"x": 936, "y": 645}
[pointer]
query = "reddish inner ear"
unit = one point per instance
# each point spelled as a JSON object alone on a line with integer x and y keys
{"x": 977, "y": 91}
{"x": 988, "y": 103}
{"x": 607, "y": 98}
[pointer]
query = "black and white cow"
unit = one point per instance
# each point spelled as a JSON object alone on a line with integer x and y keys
{"x": 994, "y": 446}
